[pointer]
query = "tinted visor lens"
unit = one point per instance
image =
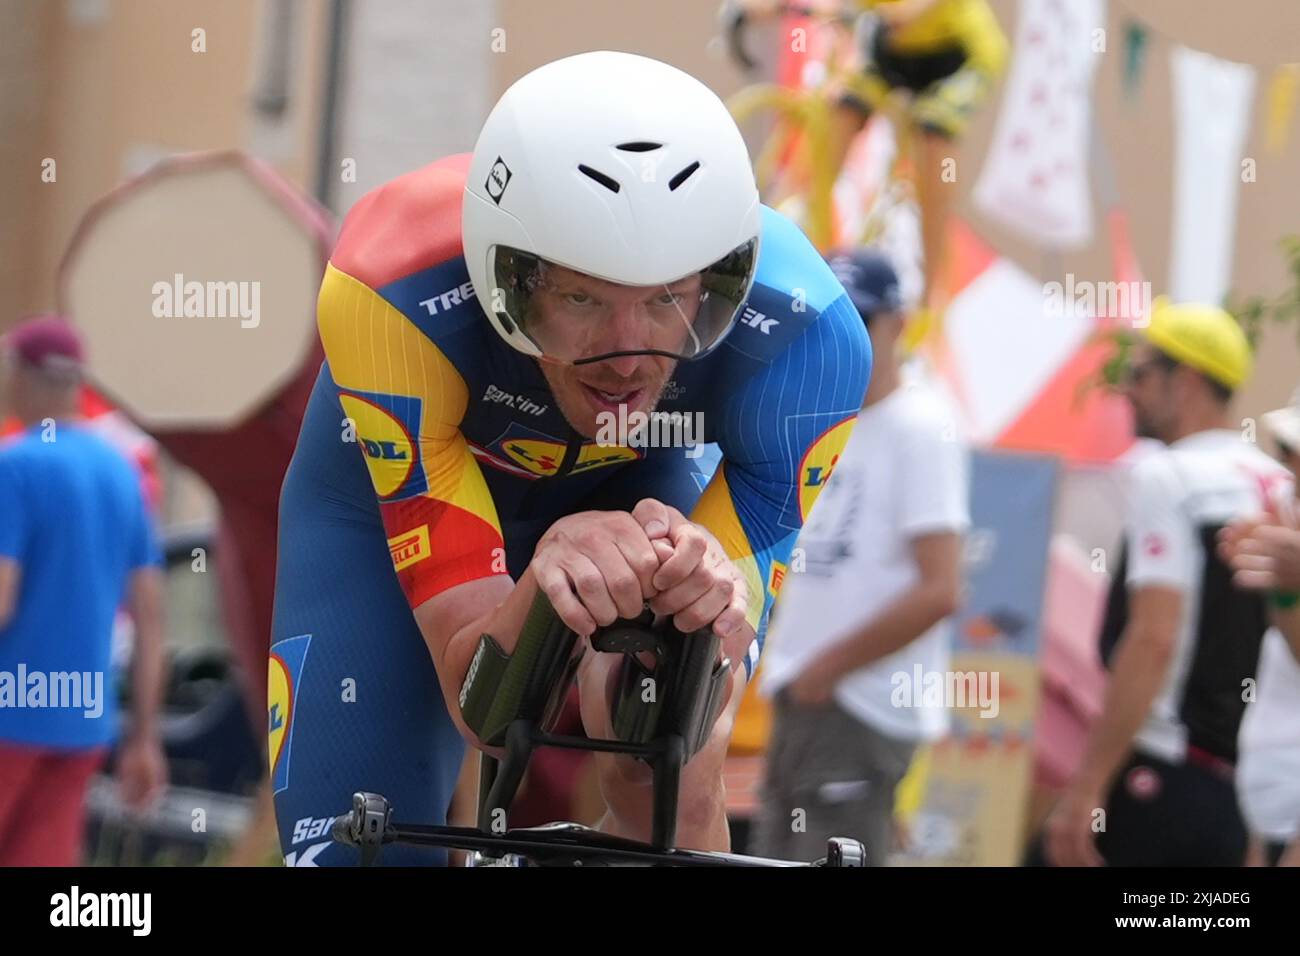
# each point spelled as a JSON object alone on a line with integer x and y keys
{"x": 573, "y": 317}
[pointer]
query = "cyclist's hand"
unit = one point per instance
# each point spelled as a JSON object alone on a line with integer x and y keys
{"x": 697, "y": 584}
{"x": 596, "y": 567}
{"x": 1070, "y": 839}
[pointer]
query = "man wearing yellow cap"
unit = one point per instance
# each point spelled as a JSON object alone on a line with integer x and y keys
{"x": 1180, "y": 638}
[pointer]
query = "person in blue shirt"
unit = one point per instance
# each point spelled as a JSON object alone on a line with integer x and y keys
{"x": 76, "y": 544}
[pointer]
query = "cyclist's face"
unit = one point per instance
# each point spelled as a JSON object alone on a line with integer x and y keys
{"x": 585, "y": 393}
{"x": 592, "y": 317}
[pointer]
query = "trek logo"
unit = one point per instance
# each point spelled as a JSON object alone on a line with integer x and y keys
{"x": 452, "y": 297}
{"x": 757, "y": 320}
{"x": 497, "y": 181}
{"x": 308, "y": 857}
{"x": 407, "y": 549}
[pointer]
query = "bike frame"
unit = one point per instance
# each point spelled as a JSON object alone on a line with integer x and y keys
{"x": 529, "y": 681}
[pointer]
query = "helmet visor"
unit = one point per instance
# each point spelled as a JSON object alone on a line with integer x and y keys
{"x": 570, "y": 316}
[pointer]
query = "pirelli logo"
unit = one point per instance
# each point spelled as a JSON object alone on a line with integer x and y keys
{"x": 406, "y": 549}
{"x": 777, "y": 578}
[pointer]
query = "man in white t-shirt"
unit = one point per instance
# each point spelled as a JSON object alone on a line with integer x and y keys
{"x": 1264, "y": 551}
{"x": 1181, "y": 640}
{"x": 874, "y": 576}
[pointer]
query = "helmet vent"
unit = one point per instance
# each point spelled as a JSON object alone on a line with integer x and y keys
{"x": 598, "y": 176}
{"x": 681, "y": 177}
{"x": 639, "y": 147}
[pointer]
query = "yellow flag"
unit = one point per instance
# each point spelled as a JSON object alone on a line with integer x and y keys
{"x": 1281, "y": 104}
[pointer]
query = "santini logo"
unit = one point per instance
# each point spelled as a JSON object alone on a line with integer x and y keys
{"x": 103, "y": 909}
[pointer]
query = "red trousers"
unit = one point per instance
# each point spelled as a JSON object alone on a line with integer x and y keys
{"x": 43, "y": 803}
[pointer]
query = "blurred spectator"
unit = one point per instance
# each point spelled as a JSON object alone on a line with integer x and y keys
{"x": 1156, "y": 783}
{"x": 75, "y": 541}
{"x": 882, "y": 551}
{"x": 1268, "y": 781}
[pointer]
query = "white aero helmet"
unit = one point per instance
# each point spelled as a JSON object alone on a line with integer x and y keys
{"x": 624, "y": 169}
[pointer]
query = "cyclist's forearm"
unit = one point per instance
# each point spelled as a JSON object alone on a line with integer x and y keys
{"x": 493, "y": 606}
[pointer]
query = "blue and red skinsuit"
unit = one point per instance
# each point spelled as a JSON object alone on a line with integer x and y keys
{"x": 432, "y": 454}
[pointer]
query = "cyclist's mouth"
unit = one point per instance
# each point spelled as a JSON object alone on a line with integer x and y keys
{"x": 609, "y": 401}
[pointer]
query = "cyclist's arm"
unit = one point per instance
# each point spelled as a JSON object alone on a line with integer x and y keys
{"x": 402, "y": 402}
{"x": 443, "y": 534}
{"x": 452, "y": 623}
{"x": 783, "y": 429}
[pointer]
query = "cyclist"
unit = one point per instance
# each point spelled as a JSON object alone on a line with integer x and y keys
{"x": 602, "y": 253}
{"x": 947, "y": 53}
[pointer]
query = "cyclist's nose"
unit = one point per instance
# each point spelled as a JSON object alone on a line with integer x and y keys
{"x": 627, "y": 330}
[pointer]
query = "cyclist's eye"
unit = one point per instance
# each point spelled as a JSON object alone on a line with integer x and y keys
{"x": 577, "y": 298}
{"x": 669, "y": 298}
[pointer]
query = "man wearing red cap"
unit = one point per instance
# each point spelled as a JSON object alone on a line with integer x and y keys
{"x": 75, "y": 543}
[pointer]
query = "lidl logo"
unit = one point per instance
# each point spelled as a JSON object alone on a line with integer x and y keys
{"x": 542, "y": 455}
{"x": 593, "y": 456}
{"x": 819, "y": 463}
{"x": 406, "y": 549}
{"x": 283, "y": 675}
{"x": 387, "y": 429}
